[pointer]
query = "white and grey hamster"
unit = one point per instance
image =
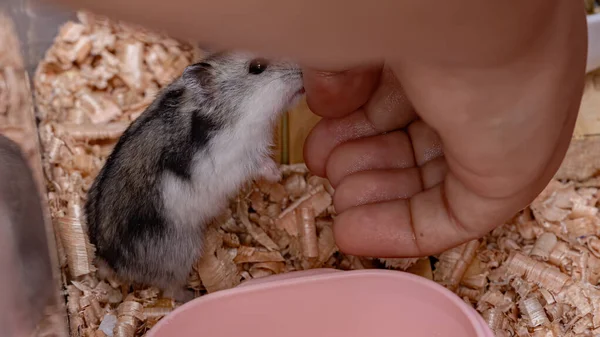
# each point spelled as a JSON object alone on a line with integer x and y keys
{"x": 175, "y": 167}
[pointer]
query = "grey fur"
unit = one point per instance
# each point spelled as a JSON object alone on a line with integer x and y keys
{"x": 23, "y": 229}
{"x": 174, "y": 168}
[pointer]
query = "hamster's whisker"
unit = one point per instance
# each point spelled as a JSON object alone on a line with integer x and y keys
{"x": 284, "y": 75}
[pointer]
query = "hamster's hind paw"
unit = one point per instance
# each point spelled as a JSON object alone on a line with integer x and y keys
{"x": 103, "y": 270}
{"x": 181, "y": 295}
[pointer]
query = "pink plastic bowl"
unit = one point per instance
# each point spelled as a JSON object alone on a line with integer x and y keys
{"x": 327, "y": 302}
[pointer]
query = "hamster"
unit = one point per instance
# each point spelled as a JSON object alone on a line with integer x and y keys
{"x": 177, "y": 165}
{"x": 26, "y": 277}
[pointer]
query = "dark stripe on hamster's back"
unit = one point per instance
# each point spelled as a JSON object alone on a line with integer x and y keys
{"x": 203, "y": 128}
{"x": 178, "y": 159}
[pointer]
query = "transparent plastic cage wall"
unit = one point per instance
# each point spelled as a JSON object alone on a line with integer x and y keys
{"x": 37, "y": 23}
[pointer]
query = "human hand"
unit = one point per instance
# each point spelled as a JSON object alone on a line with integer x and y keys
{"x": 419, "y": 171}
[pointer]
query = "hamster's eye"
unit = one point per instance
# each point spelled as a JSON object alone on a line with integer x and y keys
{"x": 257, "y": 66}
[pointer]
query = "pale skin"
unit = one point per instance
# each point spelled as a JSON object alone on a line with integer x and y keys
{"x": 468, "y": 121}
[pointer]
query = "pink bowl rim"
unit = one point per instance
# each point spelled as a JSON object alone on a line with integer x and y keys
{"x": 481, "y": 329}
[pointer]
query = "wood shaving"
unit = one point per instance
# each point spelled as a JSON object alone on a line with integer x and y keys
{"x": 533, "y": 312}
{"x": 582, "y": 160}
{"x": 317, "y": 198}
{"x": 216, "y": 268}
{"x": 246, "y": 254}
{"x": 421, "y": 267}
{"x": 308, "y": 232}
{"x": 537, "y": 275}
{"x": 79, "y": 252}
{"x": 400, "y": 263}
{"x": 254, "y": 230}
{"x": 130, "y": 314}
{"x": 453, "y": 264}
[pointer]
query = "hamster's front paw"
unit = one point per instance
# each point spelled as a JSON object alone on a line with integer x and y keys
{"x": 270, "y": 171}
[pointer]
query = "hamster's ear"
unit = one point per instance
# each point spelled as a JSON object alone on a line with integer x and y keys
{"x": 197, "y": 72}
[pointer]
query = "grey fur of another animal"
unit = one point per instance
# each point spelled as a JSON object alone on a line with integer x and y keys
{"x": 175, "y": 167}
{"x": 24, "y": 232}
